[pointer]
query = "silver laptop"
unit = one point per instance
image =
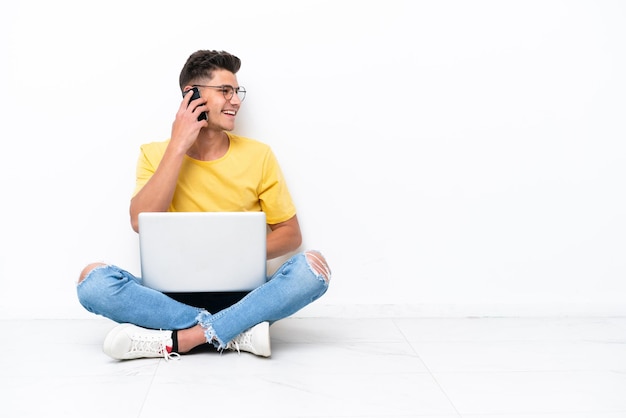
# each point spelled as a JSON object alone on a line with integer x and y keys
{"x": 203, "y": 251}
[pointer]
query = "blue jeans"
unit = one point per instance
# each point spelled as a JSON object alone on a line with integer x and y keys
{"x": 118, "y": 295}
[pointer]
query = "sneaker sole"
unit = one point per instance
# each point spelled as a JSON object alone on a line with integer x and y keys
{"x": 265, "y": 350}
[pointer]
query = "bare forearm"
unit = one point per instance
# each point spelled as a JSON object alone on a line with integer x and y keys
{"x": 283, "y": 238}
{"x": 158, "y": 192}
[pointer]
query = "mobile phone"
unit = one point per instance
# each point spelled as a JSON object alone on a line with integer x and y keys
{"x": 196, "y": 95}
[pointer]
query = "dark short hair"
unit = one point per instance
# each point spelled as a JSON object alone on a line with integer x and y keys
{"x": 201, "y": 64}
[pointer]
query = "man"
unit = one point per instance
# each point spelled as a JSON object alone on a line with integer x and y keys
{"x": 204, "y": 167}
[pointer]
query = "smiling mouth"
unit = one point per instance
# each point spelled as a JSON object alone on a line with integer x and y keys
{"x": 230, "y": 112}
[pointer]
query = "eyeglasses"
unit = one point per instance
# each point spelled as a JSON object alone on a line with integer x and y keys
{"x": 228, "y": 91}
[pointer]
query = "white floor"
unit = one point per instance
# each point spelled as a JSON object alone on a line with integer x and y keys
{"x": 323, "y": 367}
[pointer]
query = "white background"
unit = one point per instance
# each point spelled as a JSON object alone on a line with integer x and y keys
{"x": 448, "y": 157}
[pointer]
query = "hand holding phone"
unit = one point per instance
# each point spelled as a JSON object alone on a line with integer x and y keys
{"x": 196, "y": 95}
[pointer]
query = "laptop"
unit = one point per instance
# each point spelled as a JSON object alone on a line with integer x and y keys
{"x": 203, "y": 251}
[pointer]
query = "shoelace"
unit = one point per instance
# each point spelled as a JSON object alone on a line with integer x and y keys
{"x": 244, "y": 339}
{"x": 170, "y": 356}
{"x": 153, "y": 346}
{"x": 233, "y": 345}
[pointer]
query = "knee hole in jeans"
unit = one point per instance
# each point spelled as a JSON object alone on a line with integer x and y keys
{"x": 88, "y": 270}
{"x": 318, "y": 263}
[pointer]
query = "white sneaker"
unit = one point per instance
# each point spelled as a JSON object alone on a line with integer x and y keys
{"x": 256, "y": 340}
{"x": 128, "y": 341}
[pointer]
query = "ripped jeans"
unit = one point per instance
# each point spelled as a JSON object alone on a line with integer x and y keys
{"x": 116, "y": 294}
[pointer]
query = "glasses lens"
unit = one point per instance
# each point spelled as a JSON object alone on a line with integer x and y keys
{"x": 241, "y": 93}
{"x": 228, "y": 92}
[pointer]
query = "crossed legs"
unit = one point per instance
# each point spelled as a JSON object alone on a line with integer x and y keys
{"x": 300, "y": 281}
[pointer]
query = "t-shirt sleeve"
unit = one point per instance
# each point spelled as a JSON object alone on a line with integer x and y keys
{"x": 144, "y": 171}
{"x": 274, "y": 194}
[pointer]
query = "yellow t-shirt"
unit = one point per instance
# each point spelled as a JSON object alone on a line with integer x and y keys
{"x": 247, "y": 178}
